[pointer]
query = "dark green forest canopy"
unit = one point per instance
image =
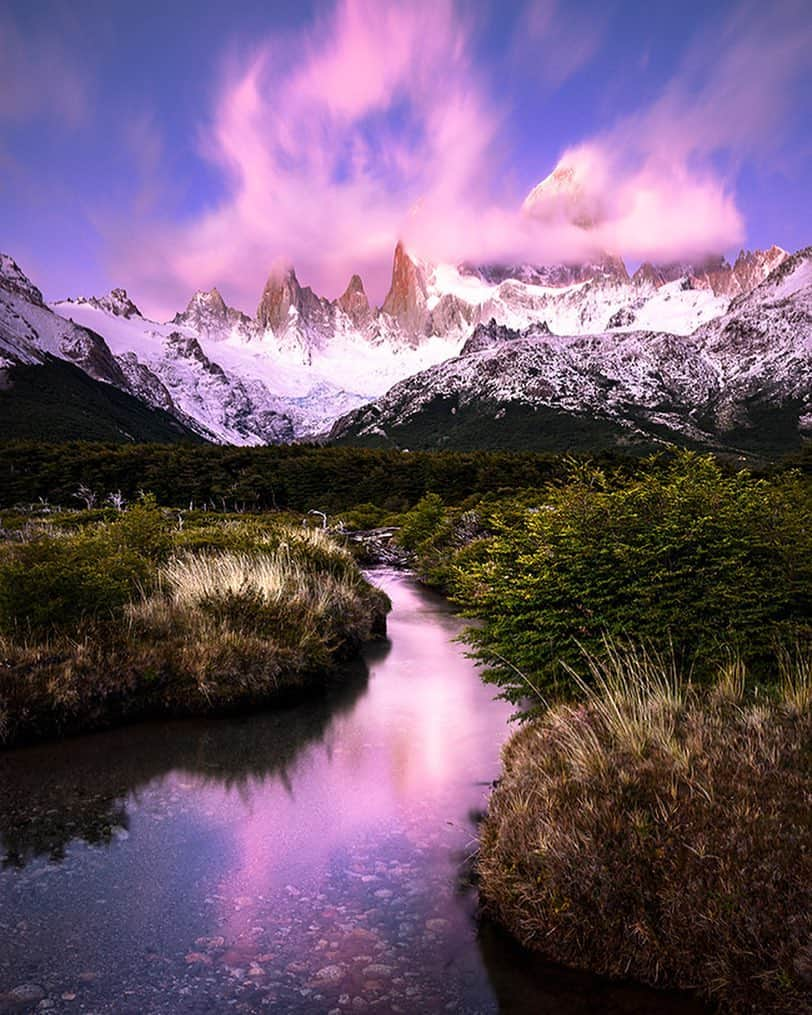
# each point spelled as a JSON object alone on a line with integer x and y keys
{"x": 297, "y": 477}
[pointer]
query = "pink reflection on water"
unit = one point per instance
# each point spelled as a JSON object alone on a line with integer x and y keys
{"x": 406, "y": 760}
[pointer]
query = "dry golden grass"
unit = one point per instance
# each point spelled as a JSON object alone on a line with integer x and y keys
{"x": 217, "y": 630}
{"x": 663, "y": 833}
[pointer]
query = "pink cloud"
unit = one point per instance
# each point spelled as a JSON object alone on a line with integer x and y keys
{"x": 651, "y": 183}
{"x": 378, "y": 123}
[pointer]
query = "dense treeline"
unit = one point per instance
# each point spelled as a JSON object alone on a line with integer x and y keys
{"x": 298, "y": 477}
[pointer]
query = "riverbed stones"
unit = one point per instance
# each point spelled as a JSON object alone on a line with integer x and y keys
{"x": 26, "y": 993}
{"x": 330, "y": 974}
{"x": 377, "y": 971}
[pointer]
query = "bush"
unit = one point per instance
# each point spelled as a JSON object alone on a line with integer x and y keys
{"x": 57, "y": 582}
{"x": 58, "y": 579}
{"x": 364, "y": 516}
{"x": 684, "y": 556}
{"x": 421, "y": 522}
{"x": 662, "y": 833}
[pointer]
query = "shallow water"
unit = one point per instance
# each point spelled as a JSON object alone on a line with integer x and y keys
{"x": 302, "y": 860}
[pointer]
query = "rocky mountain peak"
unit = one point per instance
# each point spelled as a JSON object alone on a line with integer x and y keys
{"x": 649, "y": 275}
{"x": 406, "y": 299}
{"x": 485, "y": 336}
{"x": 282, "y": 293}
{"x": 752, "y": 267}
{"x": 212, "y": 300}
{"x": 205, "y": 308}
{"x": 353, "y": 301}
{"x": 565, "y": 196}
{"x": 15, "y": 280}
{"x": 748, "y": 271}
{"x": 117, "y": 302}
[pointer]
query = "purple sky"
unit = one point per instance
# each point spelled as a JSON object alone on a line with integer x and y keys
{"x": 170, "y": 147}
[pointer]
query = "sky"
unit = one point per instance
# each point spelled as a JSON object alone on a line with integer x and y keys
{"x": 169, "y": 147}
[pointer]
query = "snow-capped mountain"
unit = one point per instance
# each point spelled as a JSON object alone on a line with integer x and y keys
{"x": 30, "y": 331}
{"x": 181, "y": 381}
{"x": 741, "y": 379}
{"x": 302, "y": 361}
{"x": 59, "y": 380}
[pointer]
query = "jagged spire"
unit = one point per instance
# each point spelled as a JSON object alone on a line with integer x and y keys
{"x": 353, "y": 301}
{"x": 406, "y": 299}
{"x": 282, "y": 291}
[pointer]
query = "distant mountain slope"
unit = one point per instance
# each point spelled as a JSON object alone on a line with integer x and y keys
{"x": 742, "y": 381}
{"x": 303, "y": 361}
{"x": 59, "y": 381}
{"x": 310, "y": 359}
{"x": 57, "y": 401}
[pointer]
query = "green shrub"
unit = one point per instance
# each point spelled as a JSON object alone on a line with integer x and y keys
{"x": 144, "y": 529}
{"x": 57, "y": 582}
{"x": 364, "y": 516}
{"x": 58, "y": 578}
{"x": 422, "y": 521}
{"x": 684, "y": 558}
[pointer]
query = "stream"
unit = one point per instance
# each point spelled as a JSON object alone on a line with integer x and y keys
{"x": 309, "y": 859}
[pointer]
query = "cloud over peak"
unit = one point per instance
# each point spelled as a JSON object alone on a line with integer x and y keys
{"x": 379, "y": 122}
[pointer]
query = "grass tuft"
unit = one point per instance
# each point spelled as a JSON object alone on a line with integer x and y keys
{"x": 251, "y": 614}
{"x": 661, "y": 831}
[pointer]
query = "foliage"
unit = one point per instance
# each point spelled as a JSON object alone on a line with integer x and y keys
{"x": 661, "y": 832}
{"x": 421, "y": 522}
{"x": 136, "y": 616}
{"x": 686, "y": 557}
{"x": 57, "y": 579}
{"x": 296, "y": 477}
{"x": 365, "y": 516}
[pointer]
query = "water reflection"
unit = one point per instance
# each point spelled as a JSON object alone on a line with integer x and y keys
{"x": 305, "y": 860}
{"x": 525, "y": 985}
{"x": 80, "y": 789}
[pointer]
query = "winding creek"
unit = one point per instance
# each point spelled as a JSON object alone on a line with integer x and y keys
{"x": 303, "y": 860}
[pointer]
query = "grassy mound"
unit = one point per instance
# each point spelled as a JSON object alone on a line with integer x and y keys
{"x": 131, "y": 617}
{"x": 661, "y": 832}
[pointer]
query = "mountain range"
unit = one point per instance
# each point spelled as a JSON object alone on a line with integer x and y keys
{"x": 740, "y": 381}
{"x": 710, "y": 354}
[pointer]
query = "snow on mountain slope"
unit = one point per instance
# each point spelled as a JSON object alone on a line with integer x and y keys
{"x": 165, "y": 359}
{"x": 675, "y": 307}
{"x": 29, "y": 331}
{"x": 763, "y": 345}
{"x": 601, "y": 376}
{"x": 710, "y": 386}
{"x": 310, "y": 359}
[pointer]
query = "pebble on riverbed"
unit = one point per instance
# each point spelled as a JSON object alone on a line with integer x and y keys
{"x": 26, "y": 993}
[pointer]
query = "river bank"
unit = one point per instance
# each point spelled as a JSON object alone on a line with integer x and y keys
{"x": 661, "y": 831}
{"x": 298, "y": 860}
{"x": 117, "y": 621}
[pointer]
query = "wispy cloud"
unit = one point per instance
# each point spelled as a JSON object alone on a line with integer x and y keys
{"x": 555, "y": 39}
{"x": 379, "y": 122}
{"x": 659, "y": 183}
